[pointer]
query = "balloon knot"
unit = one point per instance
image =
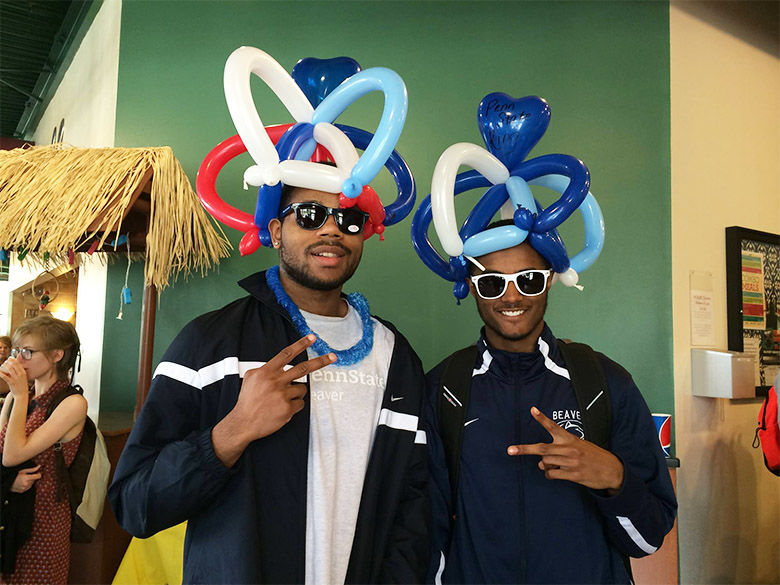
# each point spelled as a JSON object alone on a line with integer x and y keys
{"x": 351, "y": 188}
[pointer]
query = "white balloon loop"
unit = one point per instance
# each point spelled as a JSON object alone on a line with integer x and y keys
{"x": 443, "y": 188}
{"x": 307, "y": 175}
{"x": 344, "y": 153}
{"x": 238, "y": 69}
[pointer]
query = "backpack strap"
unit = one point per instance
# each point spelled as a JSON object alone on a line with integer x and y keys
{"x": 62, "y": 395}
{"x": 590, "y": 388}
{"x": 64, "y": 485}
{"x": 454, "y": 391}
{"x": 592, "y": 392}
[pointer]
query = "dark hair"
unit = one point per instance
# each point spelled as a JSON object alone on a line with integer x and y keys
{"x": 288, "y": 190}
{"x": 6, "y": 340}
{"x": 501, "y": 223}
{"x": 53, "y": 334}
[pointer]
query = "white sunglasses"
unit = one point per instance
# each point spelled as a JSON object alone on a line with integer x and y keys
{"x": 529, "y": 283}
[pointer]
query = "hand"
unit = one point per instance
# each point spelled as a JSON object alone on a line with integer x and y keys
{"x": 14, "y": 374}
{"x": 25, "y": 479}
{"x": 571, "y": 458}
{"x": 269, "y": 398}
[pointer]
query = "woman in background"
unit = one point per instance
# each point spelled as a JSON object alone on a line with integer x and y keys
{"x": 44, "y": 351}
{"x": 5, "y": 348}
{"x": 5, "y": 353}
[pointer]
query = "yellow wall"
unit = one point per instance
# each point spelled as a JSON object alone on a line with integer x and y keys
{"x": 725, "y": 152}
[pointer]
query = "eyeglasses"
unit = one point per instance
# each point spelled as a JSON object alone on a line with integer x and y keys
{"x": 312, "y": 216}
{"x": 24, "y": 352}
{"x": 529, "y": 283}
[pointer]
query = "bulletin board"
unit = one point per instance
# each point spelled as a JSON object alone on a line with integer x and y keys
{"x": 753, "y": 299}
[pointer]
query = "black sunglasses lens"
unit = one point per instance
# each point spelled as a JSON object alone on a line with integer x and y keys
{"x": 350, "y": 221}
{"x": 310, "y": 216}
{"x": 491, "y": 286}
{"x": 531, "y": 283}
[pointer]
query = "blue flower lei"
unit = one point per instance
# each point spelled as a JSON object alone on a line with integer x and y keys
{"x": 346, "y": 357}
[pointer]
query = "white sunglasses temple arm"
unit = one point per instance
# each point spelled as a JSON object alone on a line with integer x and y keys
{"x": 475, "y": 262}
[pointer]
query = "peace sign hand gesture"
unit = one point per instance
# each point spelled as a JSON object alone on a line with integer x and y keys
{"x": 268, "y": 400}
{"x": 571, "y": 458}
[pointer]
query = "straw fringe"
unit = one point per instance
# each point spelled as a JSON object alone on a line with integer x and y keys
{"x": 50, "y": 195}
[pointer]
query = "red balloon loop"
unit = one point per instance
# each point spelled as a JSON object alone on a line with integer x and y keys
{"x": 206, "y": 181}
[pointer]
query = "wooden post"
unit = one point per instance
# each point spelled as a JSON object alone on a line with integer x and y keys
{"x": 148, "y": 317}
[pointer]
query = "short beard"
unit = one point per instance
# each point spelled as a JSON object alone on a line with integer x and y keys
{"x": 300, "y": 274}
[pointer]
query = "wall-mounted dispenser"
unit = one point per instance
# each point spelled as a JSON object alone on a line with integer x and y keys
{"x": 723, "y": 374}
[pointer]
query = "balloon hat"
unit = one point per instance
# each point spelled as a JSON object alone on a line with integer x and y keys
{"x": 317, "y": 92}
{"x": 510, "y": 128}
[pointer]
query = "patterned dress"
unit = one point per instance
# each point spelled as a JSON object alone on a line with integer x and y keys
{"x": 45, "y": 557}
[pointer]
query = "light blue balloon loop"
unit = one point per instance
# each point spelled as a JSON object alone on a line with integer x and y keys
{"x": 390, "y": 125}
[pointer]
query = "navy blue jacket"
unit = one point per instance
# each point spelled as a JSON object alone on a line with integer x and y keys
{"x": 512, "y": 524}
{"x": 247, "y": 524}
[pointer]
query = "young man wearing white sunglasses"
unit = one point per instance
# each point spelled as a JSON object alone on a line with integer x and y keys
{"x": 526, "y": 498}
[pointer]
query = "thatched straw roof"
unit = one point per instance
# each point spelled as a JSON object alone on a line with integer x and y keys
{"x": 55, "y": 198}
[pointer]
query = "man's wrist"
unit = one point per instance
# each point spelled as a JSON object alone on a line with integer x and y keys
{"x": 229, "y": 438}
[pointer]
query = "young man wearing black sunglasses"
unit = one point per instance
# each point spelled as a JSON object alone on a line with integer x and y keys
{"x": 288, "y": 469}
{"x": 534, "y": 502}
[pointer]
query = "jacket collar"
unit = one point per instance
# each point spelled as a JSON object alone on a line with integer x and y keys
{"x": 257, "y": 286}
{"x": 522, "y": 365}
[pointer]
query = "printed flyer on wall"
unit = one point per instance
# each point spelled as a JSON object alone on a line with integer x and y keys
{"x": 753, "y": 290}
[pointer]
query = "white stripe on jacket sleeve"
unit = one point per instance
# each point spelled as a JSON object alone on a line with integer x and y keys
{"x": 230, "y": 366}
{"x": 402, "y": 422}
{"x": 638, "y": 539}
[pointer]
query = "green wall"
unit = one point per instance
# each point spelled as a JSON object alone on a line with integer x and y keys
{"x": 603, "y": 67}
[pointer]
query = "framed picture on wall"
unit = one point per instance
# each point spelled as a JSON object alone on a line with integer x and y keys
{"x": 753, "y": 299}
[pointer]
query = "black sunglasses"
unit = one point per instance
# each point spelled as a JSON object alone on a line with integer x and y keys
{"x": 312, "y": 216}
{"x": 529, "y": 283}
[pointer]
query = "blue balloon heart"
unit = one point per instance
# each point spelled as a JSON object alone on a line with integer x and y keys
{"x": 318, "y": 77}
{"x": 512, "y": 127}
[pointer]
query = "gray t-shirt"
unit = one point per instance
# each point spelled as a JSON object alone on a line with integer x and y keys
{"x": 345, "y": 406}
